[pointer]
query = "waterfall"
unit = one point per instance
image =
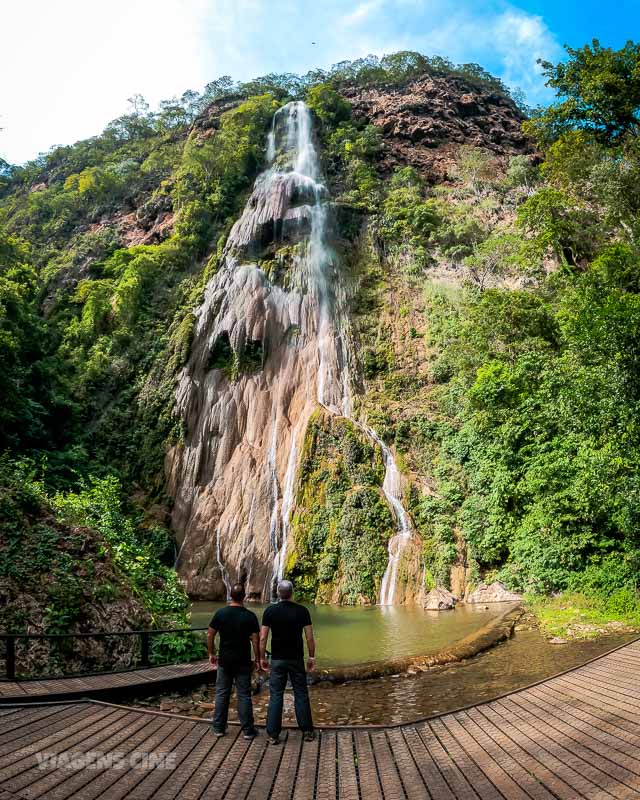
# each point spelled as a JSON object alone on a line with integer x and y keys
{"x": 392, "y": 488}
{"x": 277, "y": 298}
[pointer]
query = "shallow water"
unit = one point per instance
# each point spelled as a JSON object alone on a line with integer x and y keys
{"x": 524, "y": 659}
{"x": 347, "y": 635}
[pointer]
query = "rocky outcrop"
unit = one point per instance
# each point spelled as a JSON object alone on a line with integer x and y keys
{"x": 424, "y": 122}
{"x": 267, "y": 350}
{"x": 495, "y": 592}
{"x": 439, "y": 600}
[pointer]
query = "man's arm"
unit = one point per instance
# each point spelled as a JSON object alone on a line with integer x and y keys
{"x": 311, "y": 647}
{"x": 211, "y": 644}
{"x": 255, "y": 642}
{"x": 264, "y": 635}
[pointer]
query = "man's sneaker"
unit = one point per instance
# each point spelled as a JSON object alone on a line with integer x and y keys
{"x": 273, "y": 739}
{"x": 250, "y": 734}
{"x": 309, "y": 736}
{"x": 218, "y": 733}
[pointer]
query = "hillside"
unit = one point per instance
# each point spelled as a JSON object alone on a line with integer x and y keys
{"x": 483, "y": 310}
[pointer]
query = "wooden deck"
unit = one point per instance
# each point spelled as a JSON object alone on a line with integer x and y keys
{"x": 110, "y": 685}
{"x": 574, "y": 736}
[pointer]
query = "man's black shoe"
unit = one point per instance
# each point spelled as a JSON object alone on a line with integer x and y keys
{"x": 309, "y": 736}
{"x": 250, "y": 734}
{"x": 218, "y": 733}
{"x": 274, "y": 740}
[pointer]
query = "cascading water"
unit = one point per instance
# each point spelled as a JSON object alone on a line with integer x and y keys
{"x": 270, "y": 343}
{"x": 392, "y": 489}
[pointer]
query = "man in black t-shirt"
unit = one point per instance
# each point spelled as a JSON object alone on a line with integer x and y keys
{"x": 287, "y": 620}
{"x": 238, "y": 628}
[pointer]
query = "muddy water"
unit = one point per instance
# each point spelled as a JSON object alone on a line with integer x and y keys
{"x": 347, "y": 635}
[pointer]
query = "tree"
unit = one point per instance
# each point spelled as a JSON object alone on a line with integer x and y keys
{"x": 494, "y": 257}
{"x": 599, "y": 91}
{"x": 475, "y": 166}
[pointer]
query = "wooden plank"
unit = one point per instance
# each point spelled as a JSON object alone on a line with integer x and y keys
{"x": 241, "y": 785}
{"x": 118, "y": 784}
{"x": 591, "y": 698}
{"x": 511, "y": 743}
{"x": 600, "y": 689}
{"x": 195, "y": 768}
{"x": 52, "y": 736}
{"x": 348, "y": 775}
{"x": 327, "y": 783}
{"x": 226, "y": 771}
{"x": 595, "y": 730}
{"x": 495, "y": 774}
{"x": 367, "y": 769}
{"x": 267, "y": 772}
{"x": 614, "y": 682}
{"x": 284, "y": 782}
{"x": 565, "y": 781}
{"x": 184, "y": 748}
{"x": 35, "y": 718}
{"x": 501, "y": 757}
{"x": 602, "y": 768}
{"x": 305, "y": 783}
{"x": 438, "y": 788}
{"x": 49, "y": 687}
{"x": 56, "y": 784}
{"x": 558, "y": 755}
{"x": 481, "y": 784}
{"x": 412, "y": 782}
{"x": 387, "y": 771}
{"x": 602, "y": 719}
{"x": 450, "y": 771}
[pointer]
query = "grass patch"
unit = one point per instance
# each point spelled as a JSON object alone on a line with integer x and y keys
{"x": 580, "y": 616}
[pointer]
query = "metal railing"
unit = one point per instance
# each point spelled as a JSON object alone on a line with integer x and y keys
{"x": 142, "y": 661}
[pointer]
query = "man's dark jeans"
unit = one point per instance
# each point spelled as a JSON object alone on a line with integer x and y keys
{"x": 281, "y": 669}
{"x": 224, "y": 683}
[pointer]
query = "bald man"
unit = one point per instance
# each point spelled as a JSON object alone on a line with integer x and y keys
{"x": 287, "y": 621}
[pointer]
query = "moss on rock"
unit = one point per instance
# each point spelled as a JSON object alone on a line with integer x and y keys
{"x": 342, "y": 522}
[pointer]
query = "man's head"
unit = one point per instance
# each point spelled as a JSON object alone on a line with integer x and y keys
{"x": 285, "y": 590}
{"x": 237, "y": 593}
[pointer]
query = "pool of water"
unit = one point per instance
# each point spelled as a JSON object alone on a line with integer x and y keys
{"x": 516, "y": 663}
{"x": 347, "y": 635}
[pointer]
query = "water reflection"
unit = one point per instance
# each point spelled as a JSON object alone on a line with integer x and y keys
{"x": 347, "y": 635}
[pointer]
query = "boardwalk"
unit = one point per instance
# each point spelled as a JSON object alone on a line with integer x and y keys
{"x": 574, "y": 736}
{"x": 110, "y": 684}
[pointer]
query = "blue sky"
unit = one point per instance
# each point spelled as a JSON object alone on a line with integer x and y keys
{"x": 68, "y": 66}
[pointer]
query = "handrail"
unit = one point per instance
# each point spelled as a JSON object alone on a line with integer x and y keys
{"x": 145, "y": 641}
{"x": 152, "y": 631}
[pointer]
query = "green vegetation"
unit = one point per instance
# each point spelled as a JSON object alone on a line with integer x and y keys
{"x": 88, "y": 385}
{"x": 498, "y": 312}
{"x": 342, "y": 522}
{"x": 579, "y": 616}
{"x": 75, "y": 561}
{"x": 526, "y": 427}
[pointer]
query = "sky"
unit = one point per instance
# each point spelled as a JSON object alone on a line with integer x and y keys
{"x": 67, "y": 67}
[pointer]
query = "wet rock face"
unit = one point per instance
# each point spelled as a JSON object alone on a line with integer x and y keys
{"x": 423, "y": 122}
{"x": 495, "y": 592}
{"x": 265, "y": 352}
{"x": 439, "y": 600}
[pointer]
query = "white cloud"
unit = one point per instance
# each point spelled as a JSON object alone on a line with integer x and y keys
{"x": 68, "y": 66}
{"x": 362, "y": 12}
{"x": 521, "y": 39}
